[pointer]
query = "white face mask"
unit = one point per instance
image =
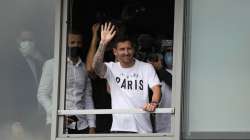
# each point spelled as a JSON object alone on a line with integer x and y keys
{"x": 26, "y": 47}
{"x": 168, "y": 58}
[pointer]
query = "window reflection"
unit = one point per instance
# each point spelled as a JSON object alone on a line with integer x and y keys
{"x": 78, "y": 88}
{"x": 25, "y": 45}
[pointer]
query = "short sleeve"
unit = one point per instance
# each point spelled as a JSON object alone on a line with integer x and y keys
{"x": 152, "y": 76}
{"x": 108, "y": 71}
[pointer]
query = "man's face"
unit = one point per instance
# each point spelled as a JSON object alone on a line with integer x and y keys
{"x": 124, "y": 52}
{"x": 75, "y": 40}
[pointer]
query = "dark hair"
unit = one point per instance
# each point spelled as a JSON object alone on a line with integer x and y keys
{"x": 122, "y": 38}
{"x": 77, "y": 32}
{"x": 74, "y": 31}
{"x": 163, "y": 75}
{"x": 153, "y": 57}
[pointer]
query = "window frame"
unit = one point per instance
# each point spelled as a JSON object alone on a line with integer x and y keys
{"x": 60, "y": 72}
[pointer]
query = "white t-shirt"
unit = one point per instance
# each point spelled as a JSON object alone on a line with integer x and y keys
{"x": 129, "y": 89}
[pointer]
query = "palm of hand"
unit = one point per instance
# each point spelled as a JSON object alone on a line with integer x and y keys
{"x": 107, "y": 32}
{"x": 106, "y": 36}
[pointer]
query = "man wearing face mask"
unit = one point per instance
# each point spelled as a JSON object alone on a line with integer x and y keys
{"x": 162, "y": 121}
{"x": 78, "y": 89}
{"x": 32, "y": 55}
{"x": 167, "y": 47}
{"x": 168, "y": 59}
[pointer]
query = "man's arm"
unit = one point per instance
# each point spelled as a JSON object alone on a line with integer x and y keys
{"x": 107, "y": 34}
{"x": 45, "y": 87}
{"x": 156, "y": 94}
{"x": 154, "y": 84}
{"x": 92, "y": 49}
{"x": 98, "y": 65}
{"x": 155, "y": 99}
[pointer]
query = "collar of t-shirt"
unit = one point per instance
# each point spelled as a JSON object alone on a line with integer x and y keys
{"x": 136, "y": 61}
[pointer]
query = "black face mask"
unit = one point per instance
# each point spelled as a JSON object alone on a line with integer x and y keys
{"x": 73, "y": 52}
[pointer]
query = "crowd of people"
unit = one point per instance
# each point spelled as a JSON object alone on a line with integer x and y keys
{"x": 138, "y": 75}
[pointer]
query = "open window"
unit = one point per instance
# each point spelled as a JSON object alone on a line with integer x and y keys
{"x": 158, "y": 24}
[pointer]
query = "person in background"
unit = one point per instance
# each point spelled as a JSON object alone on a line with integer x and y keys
{"x": 33, "y": 56}
{"x": 162, "y": 121}
{"x": 78, "y": 88}
{"x": 167, "y": 47}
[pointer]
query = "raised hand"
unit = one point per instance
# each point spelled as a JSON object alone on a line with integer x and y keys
{"x": 95, "y": 28}
{"x": 107, "y": 32}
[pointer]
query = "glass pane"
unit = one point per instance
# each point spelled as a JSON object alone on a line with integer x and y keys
{"x": 149, "y": 26}
{"x": 26, "y": 42}
{"x": 218, "y": 69}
